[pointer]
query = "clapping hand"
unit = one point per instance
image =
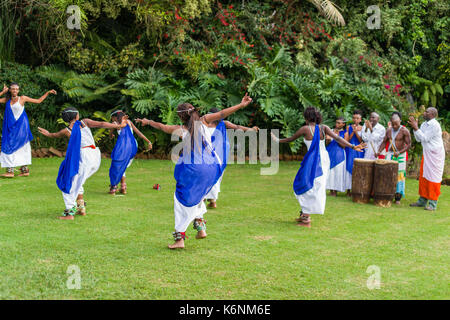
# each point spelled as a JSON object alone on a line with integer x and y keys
{"x": 413, "y": 122}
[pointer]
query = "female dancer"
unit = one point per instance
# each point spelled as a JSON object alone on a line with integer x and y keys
{"x": 16, "y": 134}
{"x": 213, "y": 195}
{"x": 336, "y": 152}
{"x": 82, "y": 159}
{"x": 123, "y": 152}
{"x": 352, "y": 135}
{"x": 311, "y": 179}
{"x": 199, "y": 167}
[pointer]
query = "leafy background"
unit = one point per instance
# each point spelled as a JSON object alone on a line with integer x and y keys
{"x": 148, "y": 56}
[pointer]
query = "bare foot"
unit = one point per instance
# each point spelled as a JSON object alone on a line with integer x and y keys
{"x": 179, "y": 244}
{"x": 8, "y": 175}
{"x": 212, "y": 204}
{"x": 304, "y": 224}
{"x": 201, "y": 234}
{"x": 68, "y": 217}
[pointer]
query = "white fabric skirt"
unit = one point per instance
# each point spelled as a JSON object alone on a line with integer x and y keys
{"x": 313, "y": 201}
{"x": 90, "y": 160}
{"x": 336, "y": 178}
{"x": 21, "y": 157}
{"x": 185, "y": 215}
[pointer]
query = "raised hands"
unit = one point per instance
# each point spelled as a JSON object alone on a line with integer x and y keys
{"x": 52, "y": 91}
{"x": 5, "y": 89}
{"x": 246, "y": 100}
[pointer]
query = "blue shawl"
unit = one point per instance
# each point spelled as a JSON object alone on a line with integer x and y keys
{"x": 199, "y": 170}
{"x": 124, "y": 150}
{"x": 352, "y": 154}
{"x": 70, "y": 165}
{"x": 336, "y": 152}
{"x": 311, "y": 166}
{"x": 16, "y": 133}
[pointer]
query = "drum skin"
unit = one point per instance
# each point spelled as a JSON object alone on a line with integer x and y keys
{"x": 385, "y": 182}
{"x": 362, "y": 180}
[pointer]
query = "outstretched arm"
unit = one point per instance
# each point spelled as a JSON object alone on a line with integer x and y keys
{"x": 222, "y": 114}
{"x": 230, "y": 125}
{"x": 28, "y": 99}
{"x": 158, "y": 125}
{"x": 300, "y": 132}
{"x": 60, "y": 134}
{"x": 140, "y": 134}
{"x": 102, "y": 124}
{"x": 342, "y": 141}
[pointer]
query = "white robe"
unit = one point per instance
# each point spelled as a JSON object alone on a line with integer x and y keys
{"x": 22, "y": 157}
{"x": 313, "y": 201}
{"x": 90, "y": 160}
{"x": 373, "y": 140}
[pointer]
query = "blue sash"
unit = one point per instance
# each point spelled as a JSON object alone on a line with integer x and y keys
{"x": 352, "y": 154}
{"x": 16, "y": 133}
{"x": 70, "y": 165}
{"x": 311, "y": 166}
{"x": 124, "y": 150}
{"x": 336, "y": 152}
{"x": 197, "y": 173}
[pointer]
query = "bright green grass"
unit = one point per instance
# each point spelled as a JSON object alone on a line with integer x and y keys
{"x": 254, "y": 250}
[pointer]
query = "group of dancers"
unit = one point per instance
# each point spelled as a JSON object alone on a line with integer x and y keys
{"x": 203, "y": 160}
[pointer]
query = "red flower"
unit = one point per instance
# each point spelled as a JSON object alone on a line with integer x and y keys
{"x": 139, "y": 37}
{"x": 361, "y": 57}
{"x": 387, "y": 86}
{"x": 380, "y": 64}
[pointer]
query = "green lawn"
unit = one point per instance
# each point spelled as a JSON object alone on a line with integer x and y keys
{"x": 254, "y": 250}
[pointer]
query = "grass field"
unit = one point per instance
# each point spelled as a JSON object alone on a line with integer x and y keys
{"x": 254, "y": 250}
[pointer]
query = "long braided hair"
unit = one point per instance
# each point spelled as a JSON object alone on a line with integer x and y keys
{"x": 188, "y": 115}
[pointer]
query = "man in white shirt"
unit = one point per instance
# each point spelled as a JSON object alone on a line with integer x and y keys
{"x": 373, "y": 135}
{"x": 433, "y": 159}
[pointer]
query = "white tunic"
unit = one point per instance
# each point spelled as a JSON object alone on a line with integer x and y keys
{"x": 313, "y": 201}
{"x": 430, "y": 136}
{"x": 90, "y": 160}
{"x": 372, "y": 139}
{"x": 22, "y": 157}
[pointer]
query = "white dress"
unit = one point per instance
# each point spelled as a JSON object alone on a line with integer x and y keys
{"x": 90, "y": 160}
{"x": 313, "y": 201}
{"x": 22, "y": 157}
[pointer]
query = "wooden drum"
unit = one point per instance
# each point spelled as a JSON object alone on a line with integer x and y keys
{"x": 385, "y": 182}
{"x": 362, "y": 180}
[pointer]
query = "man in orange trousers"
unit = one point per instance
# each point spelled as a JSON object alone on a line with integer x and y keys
{"x": 433, "y": 159}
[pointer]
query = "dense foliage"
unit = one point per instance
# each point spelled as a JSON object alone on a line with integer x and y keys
{"x": 148, "y": 56}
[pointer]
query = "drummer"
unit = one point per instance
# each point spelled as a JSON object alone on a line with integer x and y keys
{"x": 399, "y": 142}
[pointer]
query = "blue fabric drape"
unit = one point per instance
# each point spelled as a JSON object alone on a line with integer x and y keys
{"x": 336, "y": 152}
{"x": 15, "y": 133}
{"x": 71, "y": 163}
{"x": 199, "y": 170}
{"x": 311, "y": 166}
{"x": 124, "y": 150}
{"x": 352, "y": 154}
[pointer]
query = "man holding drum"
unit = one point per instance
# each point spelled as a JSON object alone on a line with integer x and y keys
{"x": 372, "y": 134}
{"x": 433, "y": 159}
{"x": 399, "y": 142}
